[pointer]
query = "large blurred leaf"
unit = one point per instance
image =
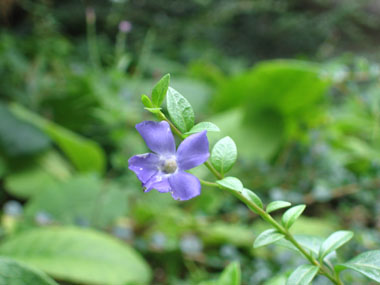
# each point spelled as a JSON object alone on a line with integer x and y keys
{"x": 18, "y": 137}
{"x": 86, "y": 200}
{"x": 79, "y": 256}
{"x": 85, "y": 154}
{"x": 15, "y": 273}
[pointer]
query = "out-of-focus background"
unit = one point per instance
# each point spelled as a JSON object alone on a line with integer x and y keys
{"x": 295, "y": 84}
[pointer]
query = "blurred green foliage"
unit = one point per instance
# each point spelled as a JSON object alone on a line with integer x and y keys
{"x": 306, "y": 129}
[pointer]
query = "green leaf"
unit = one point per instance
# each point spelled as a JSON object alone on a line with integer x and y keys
{"x": 146, "y": 101}
{"x": 160, "y": 89}
{"x": 19, "y": 137}
{"x": 276, "y": 205}
{"x": 180, "y": 110}
{"x": 78, "y": 256}
{"x": 86, "y": 155}
{"x": 267, "y": 237}
{"x": 224, "y": 155}
{"x": 291, "y": 215}
{"x": 16, "y": 273}
{"x": 311, "y": 243}
{"x": 231, "y": 183}
{"x": 366, "y": 263}
{"x": 334, "y": 241}
{"x": 210, "y": 127}
{"x": 231, "y": 275}
{"x": 303, "y": 275}
{"x": 153, "y": 110}
{"x": 251, "y": 196}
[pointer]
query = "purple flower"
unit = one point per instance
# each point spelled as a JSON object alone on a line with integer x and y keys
{"x": 164, "y": 170}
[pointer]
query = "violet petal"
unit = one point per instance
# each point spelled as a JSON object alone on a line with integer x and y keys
{"x": 159, "y": 182}
{"x": 144, "y": 165}
{"x": 157, "y": 136}
{"x": 184, "y": 185}
{"x": 193, "y": 151}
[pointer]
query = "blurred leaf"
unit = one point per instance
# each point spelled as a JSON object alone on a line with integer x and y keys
{"x": 15, "y": 273}
{"x": 291, "y": 215}
{"x": 334, "y": 241}
{"x": 231, "y": 183}
{"x": 303, "y": 275}
{"x": 311, "y": 243}
{"x": 78, "y": 256}
{"x": 276, "y": 205}
{"x": 220, "y": 233}
{"x": 19, "y": 137}
{"x": 160, "y": 89}
{"x": 267, "y": 237}
{"x": 81, "y": 200}
{"x": 85, "y": 154}
{"x": 231, "y": 275}
{"x": 367, "y": 263}
{"x": 209, "y": 127}
{"x": 180, "y": 110}
{"x": 224, "y": 155}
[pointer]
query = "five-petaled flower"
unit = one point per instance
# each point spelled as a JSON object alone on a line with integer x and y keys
{"x": 164, "y": 169}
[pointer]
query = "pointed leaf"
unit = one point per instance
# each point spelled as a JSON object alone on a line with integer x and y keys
{"x": 78, "y": 256}
{"x": 367, "y": 263}
{"x": 160, "y": 89}
{"x": 210, "y": 127}
{"x": 251, "y": 196}
{"x": 180, "y": 110}
{"x": 267, "y": 237}
{"x": 231, "y": 183}
{"x": 224, "y": 155}
{"x": 276, "y": 205}
{"x": 303, "y": 275}
{"x": 146, "y": 101}
{"x": 334, "y": 241}
{"x": 291, "y": 215}
{"x": 231, "y": 275}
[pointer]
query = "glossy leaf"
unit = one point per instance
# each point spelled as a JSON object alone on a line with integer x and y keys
{"x": 311, "y": 243}
{"x": 224, "y": 155}
{"x": 367, "y": 263}
{"x": 209, "y": 127}
{"x": 267, "y": 237}
{"x": 334, "y": 241}
{"x": 180, "y": 110}
{"x": 250, "y": 195}
{"x": 303, "y": 275}
{"x": 231, "y": 183}
{"x": 78, "y": 256}
{"x": 16, "y": 273}
{"x": 291, "y": 215}
{"x": 160, "y": 89}
{"x": 276, "y": 205}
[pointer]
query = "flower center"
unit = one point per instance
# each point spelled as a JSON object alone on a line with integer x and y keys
{"x": 170, "y": 165}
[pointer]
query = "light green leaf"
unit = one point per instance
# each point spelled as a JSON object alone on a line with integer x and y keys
{"x": 291, "y": 215}
{"x": 231, "y": 275}
{"x": 251, "y": 196}
{"x": 303, "y": 275}
{"x": 153, "y": 110}
{"x": 146, "y": 101}
{"x": 86, "y": 155}
{"x": 367, "y": 263}
{"x": 334, "y": 241}
{"x": 231, "y": 183}
{"x": 267, "y": 237}
{"x": 160, "y": 89}
{"x": 224, "y": 155}
{"x": 276, "y": 205}
{"x": 180, "y": 110}
{"x": 210, "y": 127}
{"x": 16, "y": 273}
{"x": 78, "y": 256}
{"x": 311, "y": 243}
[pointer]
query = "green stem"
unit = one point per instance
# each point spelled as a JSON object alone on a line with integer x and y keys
{"x": 261, "y": 212}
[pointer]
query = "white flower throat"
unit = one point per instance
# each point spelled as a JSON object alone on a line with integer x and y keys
{"x": 169, "y": 165}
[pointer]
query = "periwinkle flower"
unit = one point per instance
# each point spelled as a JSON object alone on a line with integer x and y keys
{"x": 164, "y": 169}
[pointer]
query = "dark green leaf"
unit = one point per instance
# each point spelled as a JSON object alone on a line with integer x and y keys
{"x": 334, "y": 241}
{"x": 291, "y": 215}
{"x": 267, "y": 237}
{"x": 224, "y": 155}
{"x": 231, "y": 183}
{"x": 210, "y": 127}
{"x": 180, "y": 110}
{"x": 303, "y": 275}
{"x": 78, "y": 256}
{"x": 160, "y": 90}
{"x": 276, "y": 205}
